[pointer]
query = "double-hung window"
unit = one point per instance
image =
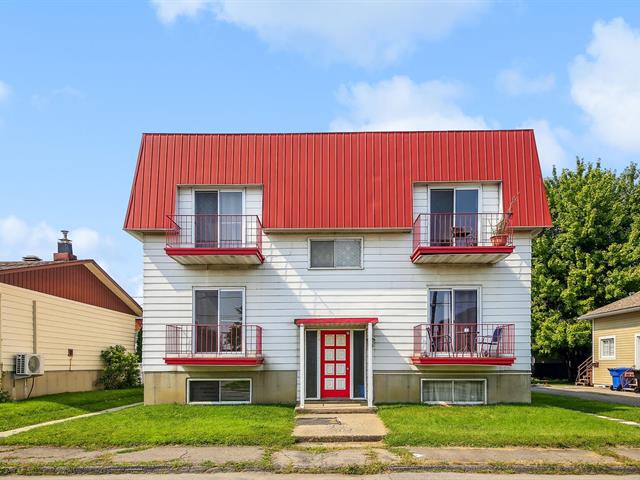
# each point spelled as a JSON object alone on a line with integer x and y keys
{"x": 343, "y": 253}
{"x": 453, "y": 320}
{"x": 219, "y": 320}
{"x": 608, "y": 348}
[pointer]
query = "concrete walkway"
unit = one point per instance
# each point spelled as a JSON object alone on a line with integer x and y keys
{"x": 306, "y": 476}
{"x": 313, "y": 459}
{"x": 590, "y": 393}
{"x": 15, "y": 431}
{"x": 338, "y": 427}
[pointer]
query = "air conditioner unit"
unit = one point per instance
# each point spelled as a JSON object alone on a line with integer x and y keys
{"x": 28, "y": 364}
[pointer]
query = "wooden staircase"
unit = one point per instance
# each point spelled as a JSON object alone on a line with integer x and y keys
{"x": 585, "y": 373}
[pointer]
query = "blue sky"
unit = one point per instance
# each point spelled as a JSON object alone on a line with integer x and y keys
{"x": 80, "y": 81}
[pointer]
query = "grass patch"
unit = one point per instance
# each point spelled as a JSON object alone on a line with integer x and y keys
{"x": 63, "y": 405}
{"x": 624, "y": 412}
{"x": 547, "y": 422}
{"x": 264, "y": 425}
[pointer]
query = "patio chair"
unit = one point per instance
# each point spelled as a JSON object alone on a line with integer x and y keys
{"x": 490, "y": 344}
{"x": 439, "y": 340}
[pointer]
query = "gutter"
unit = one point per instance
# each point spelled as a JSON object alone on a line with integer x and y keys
{"x": 589, "y": 316}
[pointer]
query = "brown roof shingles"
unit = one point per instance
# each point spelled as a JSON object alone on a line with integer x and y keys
{"x": 628, "y": 304}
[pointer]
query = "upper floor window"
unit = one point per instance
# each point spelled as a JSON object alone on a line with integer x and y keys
{"x": 454, "y": 216}
{"x": 339, "y": 253}
{"x": 218, "y": 219}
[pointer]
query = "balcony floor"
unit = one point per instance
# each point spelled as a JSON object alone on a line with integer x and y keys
{"x": 452, "y": 360}
{"x": 452, "y": 254}
{"x": 216, "y": 256}
{"x": 238, "y": 361}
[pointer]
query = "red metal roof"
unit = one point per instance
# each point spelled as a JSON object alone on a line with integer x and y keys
{"x": 336, "y": 180}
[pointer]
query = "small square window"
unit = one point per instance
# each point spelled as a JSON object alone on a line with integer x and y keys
{"x": 342, "y": 253}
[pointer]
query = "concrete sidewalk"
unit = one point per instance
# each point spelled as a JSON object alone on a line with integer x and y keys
{"x": 321, "y": 457}
{"x": 306, "y": 476}
{"x": 590, "y": 393}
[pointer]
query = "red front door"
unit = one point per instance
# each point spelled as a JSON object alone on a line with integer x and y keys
{"x": 335, "y": 355}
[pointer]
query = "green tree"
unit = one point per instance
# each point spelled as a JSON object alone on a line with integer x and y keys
{"x": 589, "y": 258}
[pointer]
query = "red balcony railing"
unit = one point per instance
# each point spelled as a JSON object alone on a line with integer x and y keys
{"x": 225, "y": 343}
{"x": 462, "y": 230}
{"x": 472, "y": 343}
{"x": 215, "y": 231}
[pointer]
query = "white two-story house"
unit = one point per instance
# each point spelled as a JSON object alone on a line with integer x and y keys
{"x": 381, "y": 267}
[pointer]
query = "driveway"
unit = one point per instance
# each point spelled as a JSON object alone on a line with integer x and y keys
{"x": 590, "y": 393}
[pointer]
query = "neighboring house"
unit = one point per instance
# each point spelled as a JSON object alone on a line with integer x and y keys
{"x": 374, "y": 266}
{"x": 615, "y": 338}
{"x": 65, "y": 310}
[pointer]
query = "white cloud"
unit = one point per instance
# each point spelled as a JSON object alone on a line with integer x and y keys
{"x": 513, "y": 82}
{"x": 18, "y": 238}
{"x": 401, "y": 104}
{"x": 41, "y": 101}
{"x": 169, "y": 10}
{"x": 605, "y": 84}
{"x": 4, "y": 91}
{"x": 365, "y": 34}
{"x": 549, "y": 141}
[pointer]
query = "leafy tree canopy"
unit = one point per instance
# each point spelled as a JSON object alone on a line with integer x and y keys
{"x": 589, "y": 258}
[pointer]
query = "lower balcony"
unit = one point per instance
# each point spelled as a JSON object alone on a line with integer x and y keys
{"x": 205, "y": 239}
{"x": 462, "y": 238}
{"x": 224, "y": 344}
{"x": 464, "y": 344}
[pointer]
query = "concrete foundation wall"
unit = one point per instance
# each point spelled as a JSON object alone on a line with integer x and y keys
{"x": 268, "y": 386}
{"x": 404, "y": 387}
{"x": 51, "y": 382}
{"x": 280, "y": 386}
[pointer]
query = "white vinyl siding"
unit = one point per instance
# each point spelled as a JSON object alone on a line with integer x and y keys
{"x": 390, "y": 288}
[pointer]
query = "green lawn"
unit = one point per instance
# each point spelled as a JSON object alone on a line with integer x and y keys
{"x": 53, "y": 407}
{"x": 548, "y": 422}
{"x": 170, "y": 424}
{"x": 625, "y": 412}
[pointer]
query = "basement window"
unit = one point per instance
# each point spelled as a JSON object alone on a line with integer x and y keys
{"x": 337, "y": 254}
{"x": 455, "y": 392}
{"x": 219, "y": 391}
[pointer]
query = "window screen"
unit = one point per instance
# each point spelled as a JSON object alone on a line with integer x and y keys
{"x": 453, "y": 391}
{"x": 336, "y": 253}
{"x": 219, "y": 391}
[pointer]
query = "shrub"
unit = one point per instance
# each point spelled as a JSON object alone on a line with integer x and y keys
{"x": 121, "y": 368}
{"x": 4, "y": 395}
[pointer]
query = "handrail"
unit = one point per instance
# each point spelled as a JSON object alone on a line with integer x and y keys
{"x": 462, "y": 230}
{"x": 214, "y": 231}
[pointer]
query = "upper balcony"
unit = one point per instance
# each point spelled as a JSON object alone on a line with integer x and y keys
{"x": 489, "y": 344}
{"x": 224, "y": 344}
{"x": 215, "y": 239}
{"x": 462, "y": 237}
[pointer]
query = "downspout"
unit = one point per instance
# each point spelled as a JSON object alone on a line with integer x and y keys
{"x": 301, "y": 375}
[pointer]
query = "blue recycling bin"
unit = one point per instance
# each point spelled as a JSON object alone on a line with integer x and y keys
{"x": 618, "y": 381}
